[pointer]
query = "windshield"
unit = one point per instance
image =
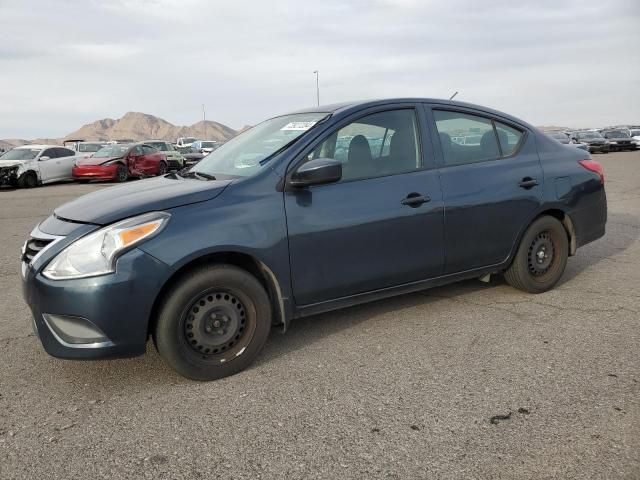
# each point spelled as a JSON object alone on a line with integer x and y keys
{"x": 616, "y": 134}
{"x": 207, "y": 144}
{"x": 558, "y": 136}
{"x": 21, "y": 154}
{"x": 243, "y": 155}
{"x": 188, "y": 140}
{"x": 589, "y": 135}
{"x": 89, "y": 147}
{"x": 112, "y": 151}
{"x": 159, "y": 145}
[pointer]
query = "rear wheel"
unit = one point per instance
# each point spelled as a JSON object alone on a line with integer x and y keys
{"x": 213, "y": 322}
{"x": 122, "y": 174}
{"x": 28, "y": 180}
{"x": 162, "y": 168}
{"x": 541, "y": 257}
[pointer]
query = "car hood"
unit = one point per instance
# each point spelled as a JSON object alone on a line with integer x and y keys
{"x": 95, "y": 160}
{"x": 115, "y": 203}
{"x": 12, "y": 163}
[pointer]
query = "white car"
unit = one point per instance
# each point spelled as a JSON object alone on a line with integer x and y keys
{"x": 635, "y": 135}
{"x": 33, "y": 165}
{"x": 83, "y": 149}
{"x": 185, "y": 142}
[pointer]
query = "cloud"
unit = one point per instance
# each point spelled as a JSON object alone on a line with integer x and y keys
{"x": 71, "y": 62}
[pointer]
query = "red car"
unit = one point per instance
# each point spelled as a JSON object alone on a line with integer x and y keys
{"x": 118, "y": 162}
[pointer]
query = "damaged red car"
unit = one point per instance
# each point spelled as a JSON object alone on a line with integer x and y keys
{"x": 118, "y": 162}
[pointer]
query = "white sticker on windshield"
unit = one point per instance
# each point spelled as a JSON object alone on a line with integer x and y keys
{"x": 298, "y": 126}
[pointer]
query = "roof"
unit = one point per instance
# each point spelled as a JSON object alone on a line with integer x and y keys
{"x": 39, "y": 146}
{"x": 348, "y": 107}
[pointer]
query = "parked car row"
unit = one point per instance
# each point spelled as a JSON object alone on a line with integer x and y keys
{"x": 603, "y": 140}
{"x": 32, "y": 165}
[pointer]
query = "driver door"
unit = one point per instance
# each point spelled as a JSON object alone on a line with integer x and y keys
{"x": 369, "y": 230}
{"x": 49, "y": 169}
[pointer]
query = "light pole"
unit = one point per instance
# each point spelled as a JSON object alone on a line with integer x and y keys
{"x": 317, "y": 87}
{"x": 204, "y": 121}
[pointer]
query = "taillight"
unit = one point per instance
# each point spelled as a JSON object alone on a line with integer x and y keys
{"x": 594, "y": 167}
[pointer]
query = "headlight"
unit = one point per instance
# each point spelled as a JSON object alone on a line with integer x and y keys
{"x": 96, "y": 253}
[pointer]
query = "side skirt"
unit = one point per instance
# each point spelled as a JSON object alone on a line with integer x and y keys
{"x": 357, "y": 299}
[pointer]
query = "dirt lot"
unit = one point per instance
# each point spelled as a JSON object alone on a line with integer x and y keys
{"x": 402, "y": 388}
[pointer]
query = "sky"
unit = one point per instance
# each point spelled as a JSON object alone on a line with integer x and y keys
{"x": 64, "y": 63}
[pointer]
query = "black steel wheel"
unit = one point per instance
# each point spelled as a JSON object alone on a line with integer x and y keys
{"x": 122, "y": 173}
{"x": 213, "y": 322}
{"x": 541, "y": 257}
{"x": 216, "y": 325}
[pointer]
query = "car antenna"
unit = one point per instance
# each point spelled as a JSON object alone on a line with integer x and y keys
{"x": 451, "y": 97}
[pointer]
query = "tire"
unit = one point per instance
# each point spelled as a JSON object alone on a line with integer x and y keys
{"x": 28, "y": 180}
{"x": 541, "y": 257}
{"x": 213, "y": 322}
{"x": 162, "y": 168}
{"x": 122, "y": 173}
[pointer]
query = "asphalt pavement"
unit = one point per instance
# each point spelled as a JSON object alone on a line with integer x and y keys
{"x": 470, "y": 380}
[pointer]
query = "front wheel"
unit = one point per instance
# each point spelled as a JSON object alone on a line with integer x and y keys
{"x": 541, "y": 257}
{"x": 162, "y": 169}
{"x": 28, "y": 180}
{"x": 122, "y": 173}
{"x": 213, "y": 322}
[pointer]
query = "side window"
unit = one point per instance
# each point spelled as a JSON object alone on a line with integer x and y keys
{"x": 49, "y": 152}
{"x": 65, "y": 152}
{"x": 465, "y": 138}
{"x": 380, "y": 144}
{"x": 509, "y": 138}
{"x": 147, "y": 150}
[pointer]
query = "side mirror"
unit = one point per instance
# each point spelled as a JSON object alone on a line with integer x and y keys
{"x": 317, "y": 172}
{"x": 42, "y": 159}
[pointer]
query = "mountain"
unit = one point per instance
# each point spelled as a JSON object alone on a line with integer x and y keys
{"x": 141, "y": 126}
{"x": 135, "y": 126}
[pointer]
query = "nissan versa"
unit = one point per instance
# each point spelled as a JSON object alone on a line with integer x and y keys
{"x": 305, "y": 213}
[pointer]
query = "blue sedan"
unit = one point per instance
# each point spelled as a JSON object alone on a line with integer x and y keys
{"x": 307, "y": 212}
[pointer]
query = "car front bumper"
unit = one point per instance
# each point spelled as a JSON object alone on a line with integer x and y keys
{"x": 175, "y": 162}
{"x": 604, "y": 148}
{"x": 623, "y": 146}
{"x": 95, "y": 172}
{"x": 117, "y": 306}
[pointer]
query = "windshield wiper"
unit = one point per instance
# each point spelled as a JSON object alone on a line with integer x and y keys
{"x": 194, "y": 174}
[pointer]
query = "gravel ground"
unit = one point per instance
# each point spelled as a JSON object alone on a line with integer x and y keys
{"x": 401, "y": 388}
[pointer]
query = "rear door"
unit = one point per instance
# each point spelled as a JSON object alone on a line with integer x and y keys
{"x": 378, "y": 227}
{"x": 66, "y": 160}
{"x": 152, "y": 159}
{"x": 491, "y": 182}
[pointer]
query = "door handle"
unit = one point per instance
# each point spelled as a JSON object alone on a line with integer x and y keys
{"x": 528, "y": 182}
{"x": 415, "y": 200}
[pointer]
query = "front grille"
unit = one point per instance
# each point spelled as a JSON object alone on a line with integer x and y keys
{"x": 33, "y": 247}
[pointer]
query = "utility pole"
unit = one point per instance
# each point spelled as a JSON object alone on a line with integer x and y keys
{"x": 317, "y": 87}
{"x": 204, "y": 121}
